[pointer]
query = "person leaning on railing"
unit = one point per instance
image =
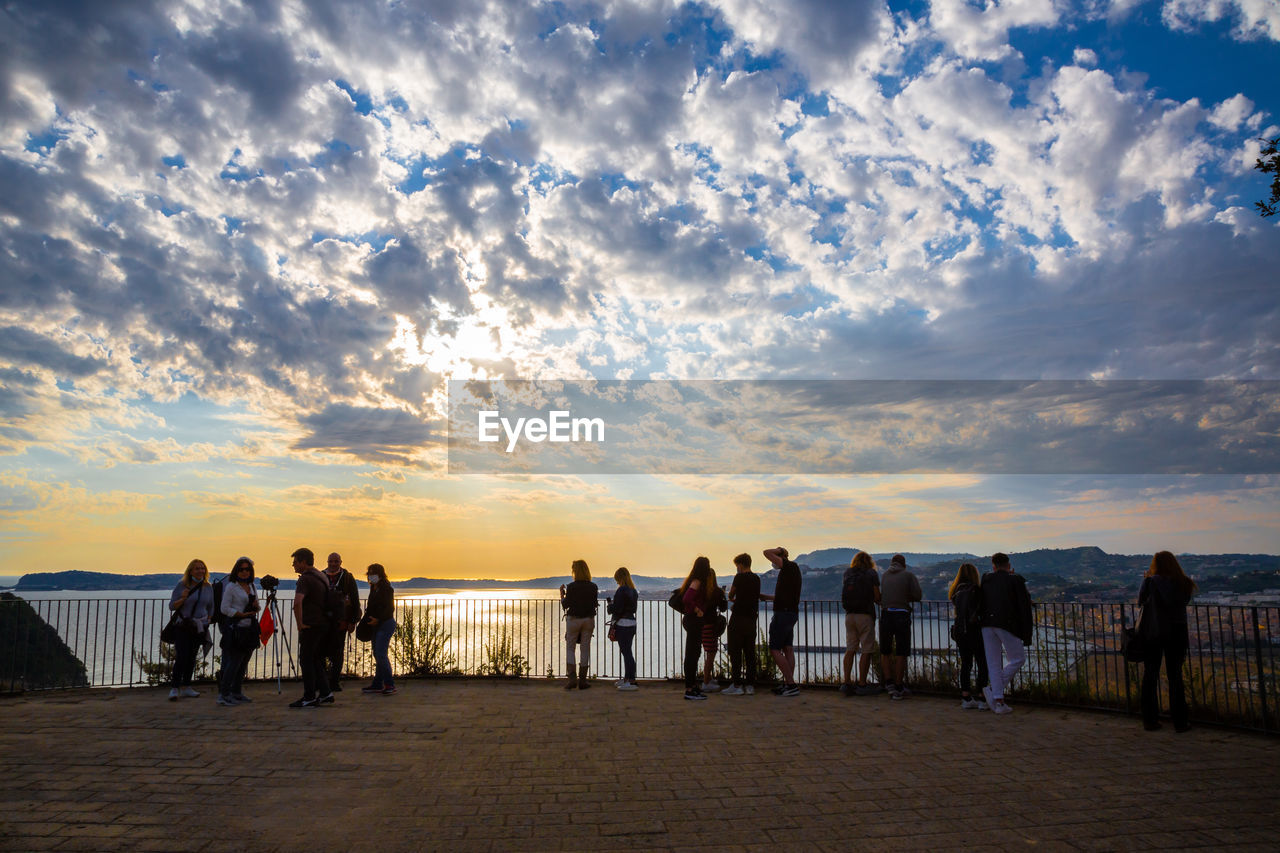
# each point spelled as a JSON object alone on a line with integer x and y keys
{"x": 579, "y": 601}
{"x": 1164, "y": 595}
{"x": 240, "y": 634}
{"x": 193, "y": 600}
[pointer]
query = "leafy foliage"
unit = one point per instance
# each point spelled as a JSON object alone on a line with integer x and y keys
{"x": 501, "y": 657}
{"x": 32, "y": 655}
{"x": 421, "y": 645}
{"x": 1269, "y": 164}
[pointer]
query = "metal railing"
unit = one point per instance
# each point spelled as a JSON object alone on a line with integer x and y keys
{"x": 1074, "y": 659}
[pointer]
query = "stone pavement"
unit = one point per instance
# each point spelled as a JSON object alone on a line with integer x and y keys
{"x": 524, "y": 765}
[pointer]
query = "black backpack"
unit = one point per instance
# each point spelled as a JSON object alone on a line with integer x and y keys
{"x": 218, "y": 619}
{"x": 858, "y": 594}
{"x": 335, "y": 600}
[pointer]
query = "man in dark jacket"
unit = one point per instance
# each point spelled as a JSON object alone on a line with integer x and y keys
{"x": 313, "y": 628}
{"x": 340, "y": 624}
{"x": 1006, "y": 628}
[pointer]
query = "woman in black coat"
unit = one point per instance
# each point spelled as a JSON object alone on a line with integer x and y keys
{"x": 1165, "y": 592}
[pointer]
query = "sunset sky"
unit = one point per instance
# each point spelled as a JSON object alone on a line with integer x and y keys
{"x": 245, "y": 246}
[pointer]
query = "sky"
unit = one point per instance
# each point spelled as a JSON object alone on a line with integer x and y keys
{"x": 246, "y": 247}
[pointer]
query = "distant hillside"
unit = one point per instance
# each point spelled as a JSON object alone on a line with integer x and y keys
{"x": 32, "y": 655}
{"x": 829, "y": 557}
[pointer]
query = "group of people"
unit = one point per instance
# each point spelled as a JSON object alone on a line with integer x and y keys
{"x": 326, "y": 610}
{"x": 992, "y": 626}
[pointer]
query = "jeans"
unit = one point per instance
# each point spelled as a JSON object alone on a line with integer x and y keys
{"x": 997, "y": 641}
{"x": 311, "y": 661}
{"x": 626, "y": 636}
{"x": 1173, "y": 653}
{"x": 184, "y": 656}
{"x": 234, "y": 663}
{"x": 971, "y": 650}
{"x": 692, "y": 651}
{"x": 381, "y": 661}
{"x": 741, "y": 638}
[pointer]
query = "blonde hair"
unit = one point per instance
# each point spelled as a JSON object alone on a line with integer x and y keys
{"x": 186, "y": 576}
{"x": 580, "y": 570}
{"x": 623, "y": 577}
{"x": 967, "y": 573}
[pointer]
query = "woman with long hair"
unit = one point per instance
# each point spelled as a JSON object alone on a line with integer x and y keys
{"x": 695, "y": 594}
{"x": 192, "y": 600}
{"x": 1165, "y": 593}
{"x": 965, "y": 596}
{"x": 379, "y": 613}
{"x": 623, "y": 610}
{"x": 717, "y": 603}
{"x": 240, "y": 634}
{"x": 579, "y": 601}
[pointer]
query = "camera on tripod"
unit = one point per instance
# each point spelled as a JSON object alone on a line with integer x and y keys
{"x": 269, "y": 583}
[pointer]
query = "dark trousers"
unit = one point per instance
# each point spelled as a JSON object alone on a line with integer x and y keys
{"x": 972, "y": 650}
{"x": 1174, "y": 654}
{"x": 382, "y": 661}
{"x": 626, "y": 636}
{"x": 184, "y": 656}
{"x": 335, "y": 645}
{"x": 692, "y": 652}
{"x": 311, "y": 662}
{"x": 741, "y": 637}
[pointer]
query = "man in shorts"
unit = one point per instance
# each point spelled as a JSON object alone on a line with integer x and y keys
{"x": 786, "y": 613}
{"x": 898, "y": 590}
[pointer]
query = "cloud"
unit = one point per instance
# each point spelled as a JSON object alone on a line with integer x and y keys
{"x": 1251, "y": 19}
{"x": 376, "y": 435}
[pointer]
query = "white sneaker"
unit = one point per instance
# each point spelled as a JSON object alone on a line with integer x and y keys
{"x": 173, "y": 695}
{"x": 970, "y": 704}
{"x": 710, "y": 686}
{"x": 627, "y": 685}
{"x": 983, "y": 706}
{"x": 732, "y": 690}
{"x": 190, "y": 693}
{"x": 750, "y": 690}
{"x": 1001, "y": 707}
{"x": 618, "y": 684}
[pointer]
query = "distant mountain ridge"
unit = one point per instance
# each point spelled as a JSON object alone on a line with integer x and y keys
{"x": 105, "y": 582}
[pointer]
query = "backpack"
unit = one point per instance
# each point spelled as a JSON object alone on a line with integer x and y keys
{"x": 858, "y": 594}
{"x": 335, "y": 600}
{"x": 218, "y": 619}
{"x": 968, "y": 611}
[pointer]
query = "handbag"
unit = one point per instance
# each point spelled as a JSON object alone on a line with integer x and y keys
{"x": 364, "y": 631}
{"x": 246, "y": 638}
{"x": 169, "y": 633}
{"x": 1132, "y": 644}
{"x": 676, "y": 601}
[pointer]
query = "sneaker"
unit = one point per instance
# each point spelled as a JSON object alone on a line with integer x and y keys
{"x": 983, "y": 706}
{"x": 732, "y": 690}
{"x": 790, "y": 690}
{"x": 226, "y": 700}
{"x": 710, "y": 686}
{"x": 327, "y": 699}
{"x": 305, "y": 703}
{"x": 695, "y": 695}
{"x": 846, "y": 689}
{"x": 173, "y": 695}
{"x": 969, "y": 704}
{"x": 750, "y": 689}
{"x": 986, "y": 694}
{"x": 1001, "y": 707}
{"x": 627, "y": 685}
{"x": 371, "y": 689}
{"x": 241, "y": 698}
{"x": 389, "y": 691}
{"x": 190, "y": 693}
{"x": 777, "y": 689}
{"x": 618, "y": 684}
{"x": 895, "y": 693}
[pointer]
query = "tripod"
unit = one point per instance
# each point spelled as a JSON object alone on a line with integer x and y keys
{"x": 274, "y": 608}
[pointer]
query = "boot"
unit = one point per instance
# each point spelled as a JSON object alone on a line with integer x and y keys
{"x": 573, "y": 682}
{"x": 583, "y": 684}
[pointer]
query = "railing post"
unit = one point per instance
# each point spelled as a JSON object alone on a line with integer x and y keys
{"x": 1124, "y": 664}
{"x": 1262, "y": 681}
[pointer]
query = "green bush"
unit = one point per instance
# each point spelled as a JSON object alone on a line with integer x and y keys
{"x": 420, "y": 645}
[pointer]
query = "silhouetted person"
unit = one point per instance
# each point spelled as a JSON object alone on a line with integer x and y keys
{"x": 313, "y": 630}
{"x": 1163, "y": 598}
